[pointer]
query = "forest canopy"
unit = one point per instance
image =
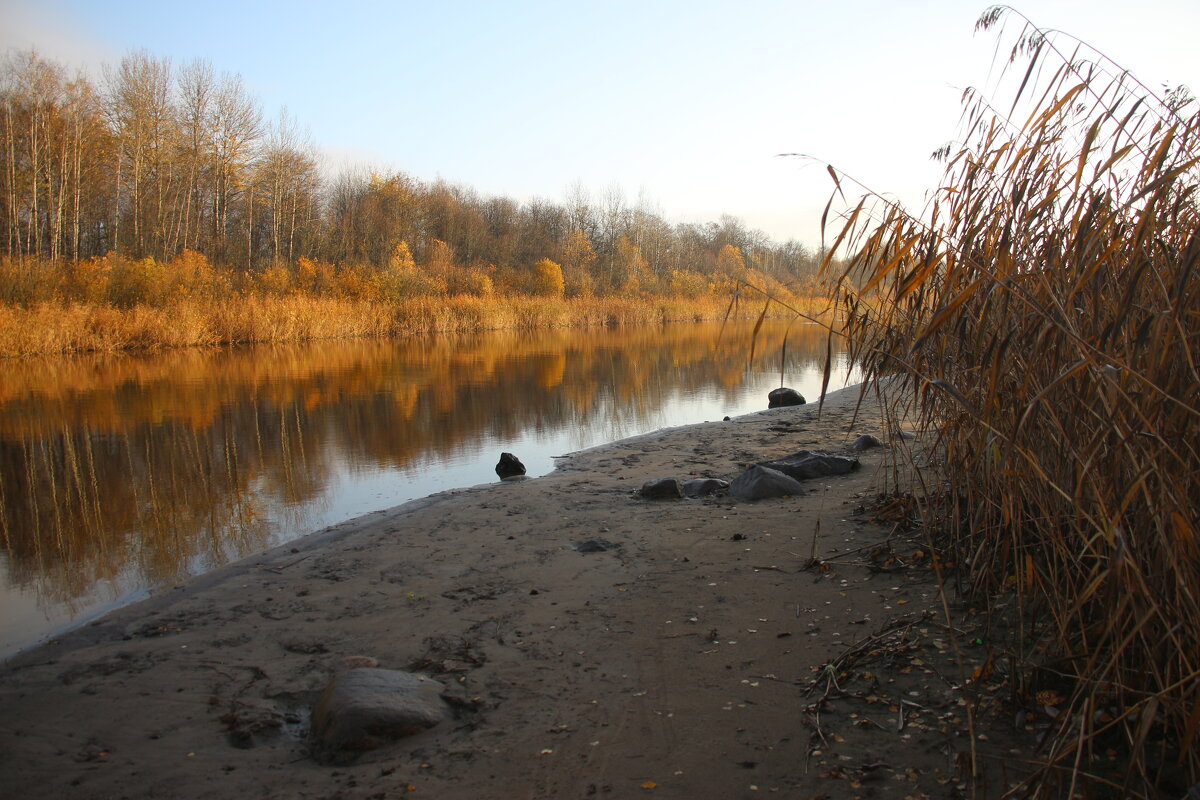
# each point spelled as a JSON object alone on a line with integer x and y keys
{"x": 156, "y": 163}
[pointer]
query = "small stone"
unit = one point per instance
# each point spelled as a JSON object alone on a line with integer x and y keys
{"x": 866, "y": 442}
{"x": 702, "y": 487}
{"x": 662, "y": 489}
{"x": 594, "y": 546}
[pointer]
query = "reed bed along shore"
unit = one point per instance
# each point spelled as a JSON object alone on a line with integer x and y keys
{"x": 55, "y": 327}
{"x": 1044, "y": 316}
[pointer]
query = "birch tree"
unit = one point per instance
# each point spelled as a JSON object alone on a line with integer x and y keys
{"x": 141, "y": 116}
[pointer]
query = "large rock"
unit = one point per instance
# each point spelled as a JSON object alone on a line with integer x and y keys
{"x": 509, "y": 466}
{"x": 760, "y": 482}
{"x": 807, "y": 465}
{"x": 702, "y": 487}
{"x": 784, "y": 397}
{"x": 363, "y": 709}
{"x": 662, "y": 489}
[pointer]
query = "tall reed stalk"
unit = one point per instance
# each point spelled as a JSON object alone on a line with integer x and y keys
{"x": 1045, "y": 313}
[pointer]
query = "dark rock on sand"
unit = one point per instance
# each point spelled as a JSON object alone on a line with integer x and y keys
{"x": 866, "y": 442}
{"x": 807, "y": 465}
{"x": 784, "y": 397}
{"x": 702, "y": 487}
{"x": 594, "y": 546}
{"x": 509, "y": 466}
{"x": 662, "y": 489}
{"x": 760, "y": 482}
{"x": 363, "y": 709}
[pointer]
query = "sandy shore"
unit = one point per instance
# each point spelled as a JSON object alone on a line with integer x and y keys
{"x": 686, "y": 660}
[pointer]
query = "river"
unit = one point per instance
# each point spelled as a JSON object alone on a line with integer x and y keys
{"x": 122, "y": 474}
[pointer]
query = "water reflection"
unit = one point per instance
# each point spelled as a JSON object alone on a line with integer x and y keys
{"x": 123, "y": 473}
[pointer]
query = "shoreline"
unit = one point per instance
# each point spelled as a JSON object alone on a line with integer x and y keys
{"x": 66, "y": 574}
{"x": 680, "y": 657}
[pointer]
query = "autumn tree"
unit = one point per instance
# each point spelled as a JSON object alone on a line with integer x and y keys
{"x": 578, "y": 262}
{"x": 630, "y": 272}
{"x": 53, "y": 136}
{"x": 195, "y": 86}
{"x": 142, "y": 119}
{"x": 286, "y": 185}
{"x": 547, "y": 279}
{"x": 236, "y": 125}
{"x": 730, "y": 262}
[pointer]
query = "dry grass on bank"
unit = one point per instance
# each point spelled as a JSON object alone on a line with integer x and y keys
{"x": 1046, "y": 313}
{"x": 62, "y": 327}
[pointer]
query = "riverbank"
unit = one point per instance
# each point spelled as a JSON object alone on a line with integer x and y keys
{"x": 682, "y": 650}
{"x": 59, "y": 327}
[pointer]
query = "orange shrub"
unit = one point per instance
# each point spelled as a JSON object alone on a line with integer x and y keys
{"x": 547, "y": 279}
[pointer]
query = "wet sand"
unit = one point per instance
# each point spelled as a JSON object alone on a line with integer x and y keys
{"x": 689, "y": 648}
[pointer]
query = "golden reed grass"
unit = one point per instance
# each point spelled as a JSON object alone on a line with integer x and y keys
{"x": 73, "y": 327}
{"x": 1044, "y": 314}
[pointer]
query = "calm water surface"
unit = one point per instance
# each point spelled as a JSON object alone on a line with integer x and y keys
{"x": 122, "y": 474}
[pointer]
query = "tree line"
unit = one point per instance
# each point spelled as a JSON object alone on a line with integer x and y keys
{"x": 154, "y": 161}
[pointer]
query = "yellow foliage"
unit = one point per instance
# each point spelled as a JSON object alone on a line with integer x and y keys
{"x": 138, "y": 282}
{"x": 354, "y": 282}
{"x": 730, "y": 261}
{"x": 189, "y": 275}
{"x": 89, "y": 280}
{"x": 275, "y": 280}
{"x": 401, "y": 260}
{"x": 472, "y": 281}
{"x": 547, "y": 279}
{"x": 686, "y": 283}
{"x": 629, "y": 267}
{"x": 439, "y": 256}
{"x": 314, "y": 277}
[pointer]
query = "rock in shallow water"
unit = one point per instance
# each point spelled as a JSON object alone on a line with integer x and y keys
{"x": 365, "y": 708}
{"x": 509, "y": 466}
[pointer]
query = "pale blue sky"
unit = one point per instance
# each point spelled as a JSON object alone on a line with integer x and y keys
{"x": 684, "y": 102}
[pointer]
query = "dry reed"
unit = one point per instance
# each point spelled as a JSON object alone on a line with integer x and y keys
{"x": 73, "y": 327}
{"x": 1045, "y": 314}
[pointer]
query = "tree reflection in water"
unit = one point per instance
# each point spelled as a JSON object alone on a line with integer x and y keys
{"x": 119, "y": 473}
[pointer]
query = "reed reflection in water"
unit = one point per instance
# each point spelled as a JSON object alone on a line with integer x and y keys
{"x": 120, "y": 474}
